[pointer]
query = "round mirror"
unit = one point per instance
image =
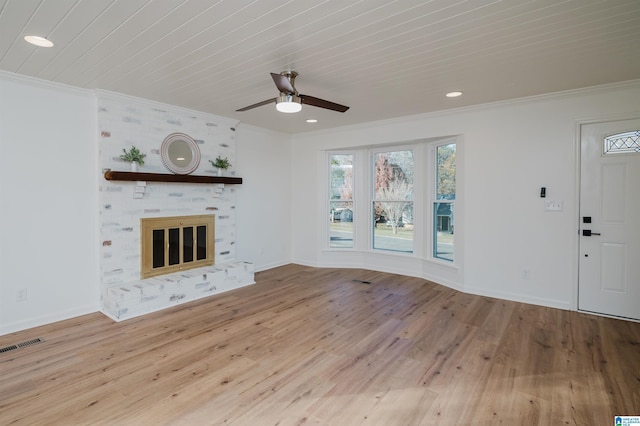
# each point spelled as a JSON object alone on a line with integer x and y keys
{"x": 180, "y": 153}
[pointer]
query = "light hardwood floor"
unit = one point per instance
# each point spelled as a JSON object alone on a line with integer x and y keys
{"x": 313, "y": 346}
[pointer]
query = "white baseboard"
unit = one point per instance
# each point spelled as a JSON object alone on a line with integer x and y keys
{"x": 540, "y": 301}
{"x": 267, "y": 266}
{"x": 13, "y": 327}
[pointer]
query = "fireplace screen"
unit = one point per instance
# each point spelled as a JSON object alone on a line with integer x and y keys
{"x": 171, "y": 244}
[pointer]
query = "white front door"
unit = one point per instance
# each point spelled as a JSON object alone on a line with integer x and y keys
{"x": 609, "y": 269}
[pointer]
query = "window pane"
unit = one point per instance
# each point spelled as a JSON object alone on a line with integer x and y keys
{"x": 389, "y": 234}
{"x": 201, "y": 250}
{"x": 446, "y": 172}
{"x": 622, "y": 143}
{"x": 341, "y": 201}
{"x": 341, "y": 224}
{"x": 187, "y": 244}
{"x": 443, "y": 231}
{"x": 341, "y": 175}
{"x": 158, "y": 248}
{"x": 174, "y": 246}
{"x": 443, "y": 218}
{"x": 393, "y": 201}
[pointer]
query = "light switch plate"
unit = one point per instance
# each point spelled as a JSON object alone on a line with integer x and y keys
{"x": 553, "y": 205}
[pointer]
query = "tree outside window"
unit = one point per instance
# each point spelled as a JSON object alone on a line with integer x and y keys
{"x": 393, "y": 201}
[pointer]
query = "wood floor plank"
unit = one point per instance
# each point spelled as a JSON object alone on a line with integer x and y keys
{"x": 327, "y": 347}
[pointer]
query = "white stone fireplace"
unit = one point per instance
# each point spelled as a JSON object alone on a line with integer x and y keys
{"x": 124, "y": 122}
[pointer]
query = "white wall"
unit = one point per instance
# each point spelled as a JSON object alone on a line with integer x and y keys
{"x": 50, "y": 205}
{"x": 511, "y": 149}
{"x": 264, "y": 200}
{"x": 49, "y": 208}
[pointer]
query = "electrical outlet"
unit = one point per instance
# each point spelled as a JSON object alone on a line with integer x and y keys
{"x": 21, "y": 296}
{"x": 525, "y": 274}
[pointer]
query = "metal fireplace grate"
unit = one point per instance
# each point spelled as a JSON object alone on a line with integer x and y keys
{"x": 21, "y": 345}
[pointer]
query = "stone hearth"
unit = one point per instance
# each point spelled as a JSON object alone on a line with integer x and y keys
{"x": 135, "y": 298}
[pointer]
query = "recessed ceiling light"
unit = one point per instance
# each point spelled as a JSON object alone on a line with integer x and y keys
{"x": 312, "y": 120}
{"x": 453, "y": 94}
{"x": 38, "y": 41}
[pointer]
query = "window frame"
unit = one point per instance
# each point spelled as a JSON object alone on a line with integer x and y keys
{"x": 424, "y": 194}
{"x": 434, "y": 200}
{"x": 371, "y": 191}
{"x": 329, "y": 200}
{"x": 616, "y": 143}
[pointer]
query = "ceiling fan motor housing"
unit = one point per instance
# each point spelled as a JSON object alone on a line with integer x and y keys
{"x": 291, "y": 76}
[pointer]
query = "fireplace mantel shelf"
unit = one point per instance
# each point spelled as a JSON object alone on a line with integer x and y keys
{"x": 165, "y": 177}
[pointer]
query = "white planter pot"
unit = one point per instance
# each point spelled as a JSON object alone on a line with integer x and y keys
{"x": 134, "y": 166}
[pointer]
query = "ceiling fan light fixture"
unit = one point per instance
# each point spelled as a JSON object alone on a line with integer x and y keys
{"x": 288, "y": 103}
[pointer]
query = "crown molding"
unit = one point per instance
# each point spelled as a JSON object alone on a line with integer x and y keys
{"x": 565, "y": 94}
{"x": 105, "y": 94}
{"x": 263, "y": 130}
{"x": 45, "y": 84}
{"x": 119, "y": 97}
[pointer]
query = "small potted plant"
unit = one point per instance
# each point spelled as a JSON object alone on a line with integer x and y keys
{"x": 221, "y": 164}
{"x": 133, "y": 156}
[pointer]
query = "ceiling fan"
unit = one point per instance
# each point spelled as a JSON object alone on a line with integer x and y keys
{"x": 290, "y": 100}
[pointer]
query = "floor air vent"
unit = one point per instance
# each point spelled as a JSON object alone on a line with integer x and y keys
{"x": 21, "y": 345}
{"x": 361, "y": 281}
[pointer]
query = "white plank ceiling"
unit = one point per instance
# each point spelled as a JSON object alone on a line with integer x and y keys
{"x": 382, "y": 58}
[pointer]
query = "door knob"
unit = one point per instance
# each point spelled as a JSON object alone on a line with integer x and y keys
{"x": 588, "y": 233}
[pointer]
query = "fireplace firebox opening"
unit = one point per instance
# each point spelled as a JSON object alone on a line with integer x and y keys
{"x": 171, "y": 244}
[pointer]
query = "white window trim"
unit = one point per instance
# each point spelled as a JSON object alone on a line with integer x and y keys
{"x": 431, "y": 197}
{"x": 327, "y": 169}
{"x": 418, "y": 155}
{"x": 424, "y": 184}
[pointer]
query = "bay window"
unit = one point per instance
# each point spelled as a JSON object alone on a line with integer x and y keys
{"x": 409, "y": 195}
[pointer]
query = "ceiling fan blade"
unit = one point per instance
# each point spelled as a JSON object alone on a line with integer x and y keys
{"x": 259, "y": 104}
{"x": 321, "y": 103}
{"x": 282, "y": 83}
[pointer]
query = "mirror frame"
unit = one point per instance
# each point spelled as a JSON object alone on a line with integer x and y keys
{"x": 195, "y": 153}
